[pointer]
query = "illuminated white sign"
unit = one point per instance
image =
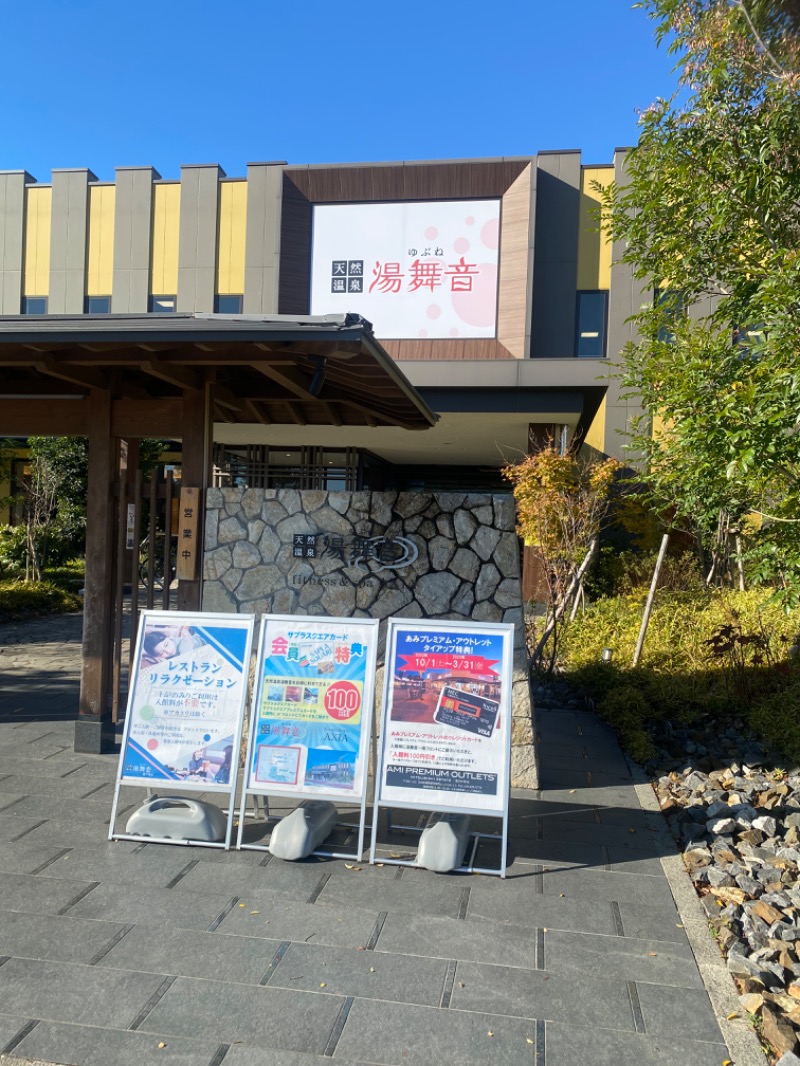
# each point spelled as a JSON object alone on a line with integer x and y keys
{"x": 415, "y": 270}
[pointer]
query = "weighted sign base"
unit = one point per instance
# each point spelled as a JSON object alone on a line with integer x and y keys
{"x": 443, "y": 843}
{"x": 178, "y": 820}
{"x": 300, "y": 833}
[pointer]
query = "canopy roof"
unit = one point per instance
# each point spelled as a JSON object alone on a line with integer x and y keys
{"x": 279, "y": 369}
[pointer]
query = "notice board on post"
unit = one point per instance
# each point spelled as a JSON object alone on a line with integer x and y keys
{"x": 311, "y": 717}
{"x": 187, "y": 694}
{"x": 445, "y": 741}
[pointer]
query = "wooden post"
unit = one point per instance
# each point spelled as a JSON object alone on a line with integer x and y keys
{"x": 195, "y": 465}
{"x": 94, "y": 730}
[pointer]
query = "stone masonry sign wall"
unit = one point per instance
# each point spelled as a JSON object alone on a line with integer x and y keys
{"x": 373, "y": 555}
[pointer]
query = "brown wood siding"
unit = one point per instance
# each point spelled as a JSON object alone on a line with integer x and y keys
{"x": 480, "y": 348}
{"x": 295, "y": 261}
{"x": 406, "y": 181}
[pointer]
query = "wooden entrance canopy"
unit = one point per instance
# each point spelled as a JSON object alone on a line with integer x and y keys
{"x": 282, "y": 370}
{"x": 117, "y": 378}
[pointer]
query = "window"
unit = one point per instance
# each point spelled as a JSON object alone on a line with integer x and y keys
{"x": 228, "y": 305}
{"x": 162, "y": 304}
{"x": 671, "y": 305}
{"x": 592, "y": 312}
{"x": 98, "y": 305}
{"x": 34, "y": 305}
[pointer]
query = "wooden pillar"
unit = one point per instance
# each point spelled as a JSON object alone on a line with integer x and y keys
{"x": 195, "y": 467}
{"x": 94, "y": 730}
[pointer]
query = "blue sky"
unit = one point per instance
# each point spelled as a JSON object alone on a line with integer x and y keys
{"x": 99, "y": 83}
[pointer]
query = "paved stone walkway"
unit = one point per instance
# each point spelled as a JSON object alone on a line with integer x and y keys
{"x": 127, "y": 954}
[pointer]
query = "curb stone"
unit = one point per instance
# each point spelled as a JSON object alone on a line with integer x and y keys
{"x": 737, "y": 1033}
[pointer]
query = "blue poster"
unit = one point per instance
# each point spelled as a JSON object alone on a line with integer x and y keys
{"x": 187, "y": 694}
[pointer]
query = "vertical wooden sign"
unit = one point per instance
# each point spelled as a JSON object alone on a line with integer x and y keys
{"x": 188, "y": 548}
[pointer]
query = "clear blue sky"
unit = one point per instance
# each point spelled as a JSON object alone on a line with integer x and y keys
{"x": 102, "y": 83}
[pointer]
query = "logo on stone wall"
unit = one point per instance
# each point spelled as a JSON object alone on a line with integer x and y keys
{"x": 389, "y": 553}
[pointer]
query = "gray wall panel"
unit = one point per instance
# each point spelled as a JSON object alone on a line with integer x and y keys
{"x": 133, "y": 236}
{"x": 199, "y": 228}
{"x": 263, "y": 240}
{"x": 12, "y": 231}
{"x": 68, "y": 241}
{"x": 626, "y": 297}
{"x": 555, "y": 266}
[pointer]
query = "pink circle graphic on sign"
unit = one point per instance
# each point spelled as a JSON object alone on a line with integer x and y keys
{"x": 434, "y": 311}
{"x": 152, "y": 744}
{"x": 477, "y": 308}
{"x": 461, "y": 245}
{"x": 431, "y": 233}
{"x": 490, "y": 233}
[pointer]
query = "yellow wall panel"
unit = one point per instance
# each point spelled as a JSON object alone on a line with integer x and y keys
{"x": 100, "y": 257}
{"x": 595, "y": 436}
{"x": 166, "y": 228}
{"x": 594, "y": 249}
{"x": 38, "y": 211}
{"x": 232, "y": 228}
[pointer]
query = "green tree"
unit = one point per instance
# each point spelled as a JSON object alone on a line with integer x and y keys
{"x": 710, "y": 215}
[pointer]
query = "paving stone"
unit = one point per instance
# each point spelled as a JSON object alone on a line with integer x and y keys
{"x": 70, "y": 833}
{"x": 279, "y": 919}
{"x": 22, "y": 892}
{"x": 364, "y": 974}
{"x": 517, "y": 902}
{"x": 569, "y": 1045}
{"x": 25, "y": 858}
{"x": 242, "y": 1055}
{"x": 389, "y": 1033}
{"x": 140, "y": 904}
{"x": 160, "y": 949}
{"x": 10, "y": 1026}
{"x": 46, "y": 936}
{"x": 538, "y": 994}
{"x": 409, "y": 895}
{"x": 651, "y": 961}
{"x": 660, "y": 923}
{"x": 67, "y": 992}
{"x": 678, "y": 1010}
{"x": 514, "y": 945}
{"x": 88, "y": 1045}
{"x": 264, "y": 1017}
{"x": 117, "y": 863}
{"x": 247, "y": 880}
{"x": 205, "y": 855}
{"x": 607, "y": 885}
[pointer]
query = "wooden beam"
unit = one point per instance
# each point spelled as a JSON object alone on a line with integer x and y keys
{"x": 153, "y": 417}
{"x": 256, "y": 413}
{"x": 83, "y": 376}
{"x": 294, "y": 381}
{"x": 226, "y": 398}
{"x": 94, "y": 728}
{"x": 297, "y": 416}
{"x": 44, "y": 417}
{"x": 181, "y": 376}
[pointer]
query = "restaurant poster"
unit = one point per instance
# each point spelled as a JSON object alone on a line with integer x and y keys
{"x": 188, "y": 688}
{"x": 446, "y": 724}
{"x": 312, "y": 711}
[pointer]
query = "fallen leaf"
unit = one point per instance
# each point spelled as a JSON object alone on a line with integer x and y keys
{"x": 255, "y": 912}
{"x": 652, "y": 954}
{"x": 572, "y": 791}
{"x": 372, "y": 969}
{"x": 529, "y": 1040}
{"x": 322, "y": 984}
{"x": 460, "y": 984}
{"x": 241, "y": 904}
{"x": 733, "y": 1014}
{"x": 562, "y": 895}
{"x": 162, "y": 1044}
{"x": 631, "y": 830}
{"x": 489, "y": 1032}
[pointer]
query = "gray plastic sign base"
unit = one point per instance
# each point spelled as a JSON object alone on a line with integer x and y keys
{"x": 178, "y": 818}
{"x": 443, "y": 842}
{"x": 302, "y": 831}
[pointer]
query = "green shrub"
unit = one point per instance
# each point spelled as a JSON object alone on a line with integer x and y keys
{"x": 24, "y": 599}
{"x": 706, "y": 652}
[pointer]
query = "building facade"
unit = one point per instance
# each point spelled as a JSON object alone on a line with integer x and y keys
{"x": 488, "y": 281}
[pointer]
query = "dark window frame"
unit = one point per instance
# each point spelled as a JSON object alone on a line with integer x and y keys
{"x": 603, "y": 336}
{"x": 88, "y": 310}
{"x": 153, "y": 310}
{"x": 27, "y": 305}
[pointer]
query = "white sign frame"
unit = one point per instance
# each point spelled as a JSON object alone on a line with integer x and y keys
{"x": 273, "y": 627}
{"x": 196, "y": 625}
{"x": 484, "y": 711}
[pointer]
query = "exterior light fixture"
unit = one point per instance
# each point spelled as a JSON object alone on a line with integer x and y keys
{"x": 608, "y": 655}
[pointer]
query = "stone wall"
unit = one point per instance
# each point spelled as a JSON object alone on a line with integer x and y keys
{"x": 373, "y": 555}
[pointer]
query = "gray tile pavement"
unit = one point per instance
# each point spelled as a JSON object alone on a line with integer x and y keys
{"x": 127, "y": 954}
